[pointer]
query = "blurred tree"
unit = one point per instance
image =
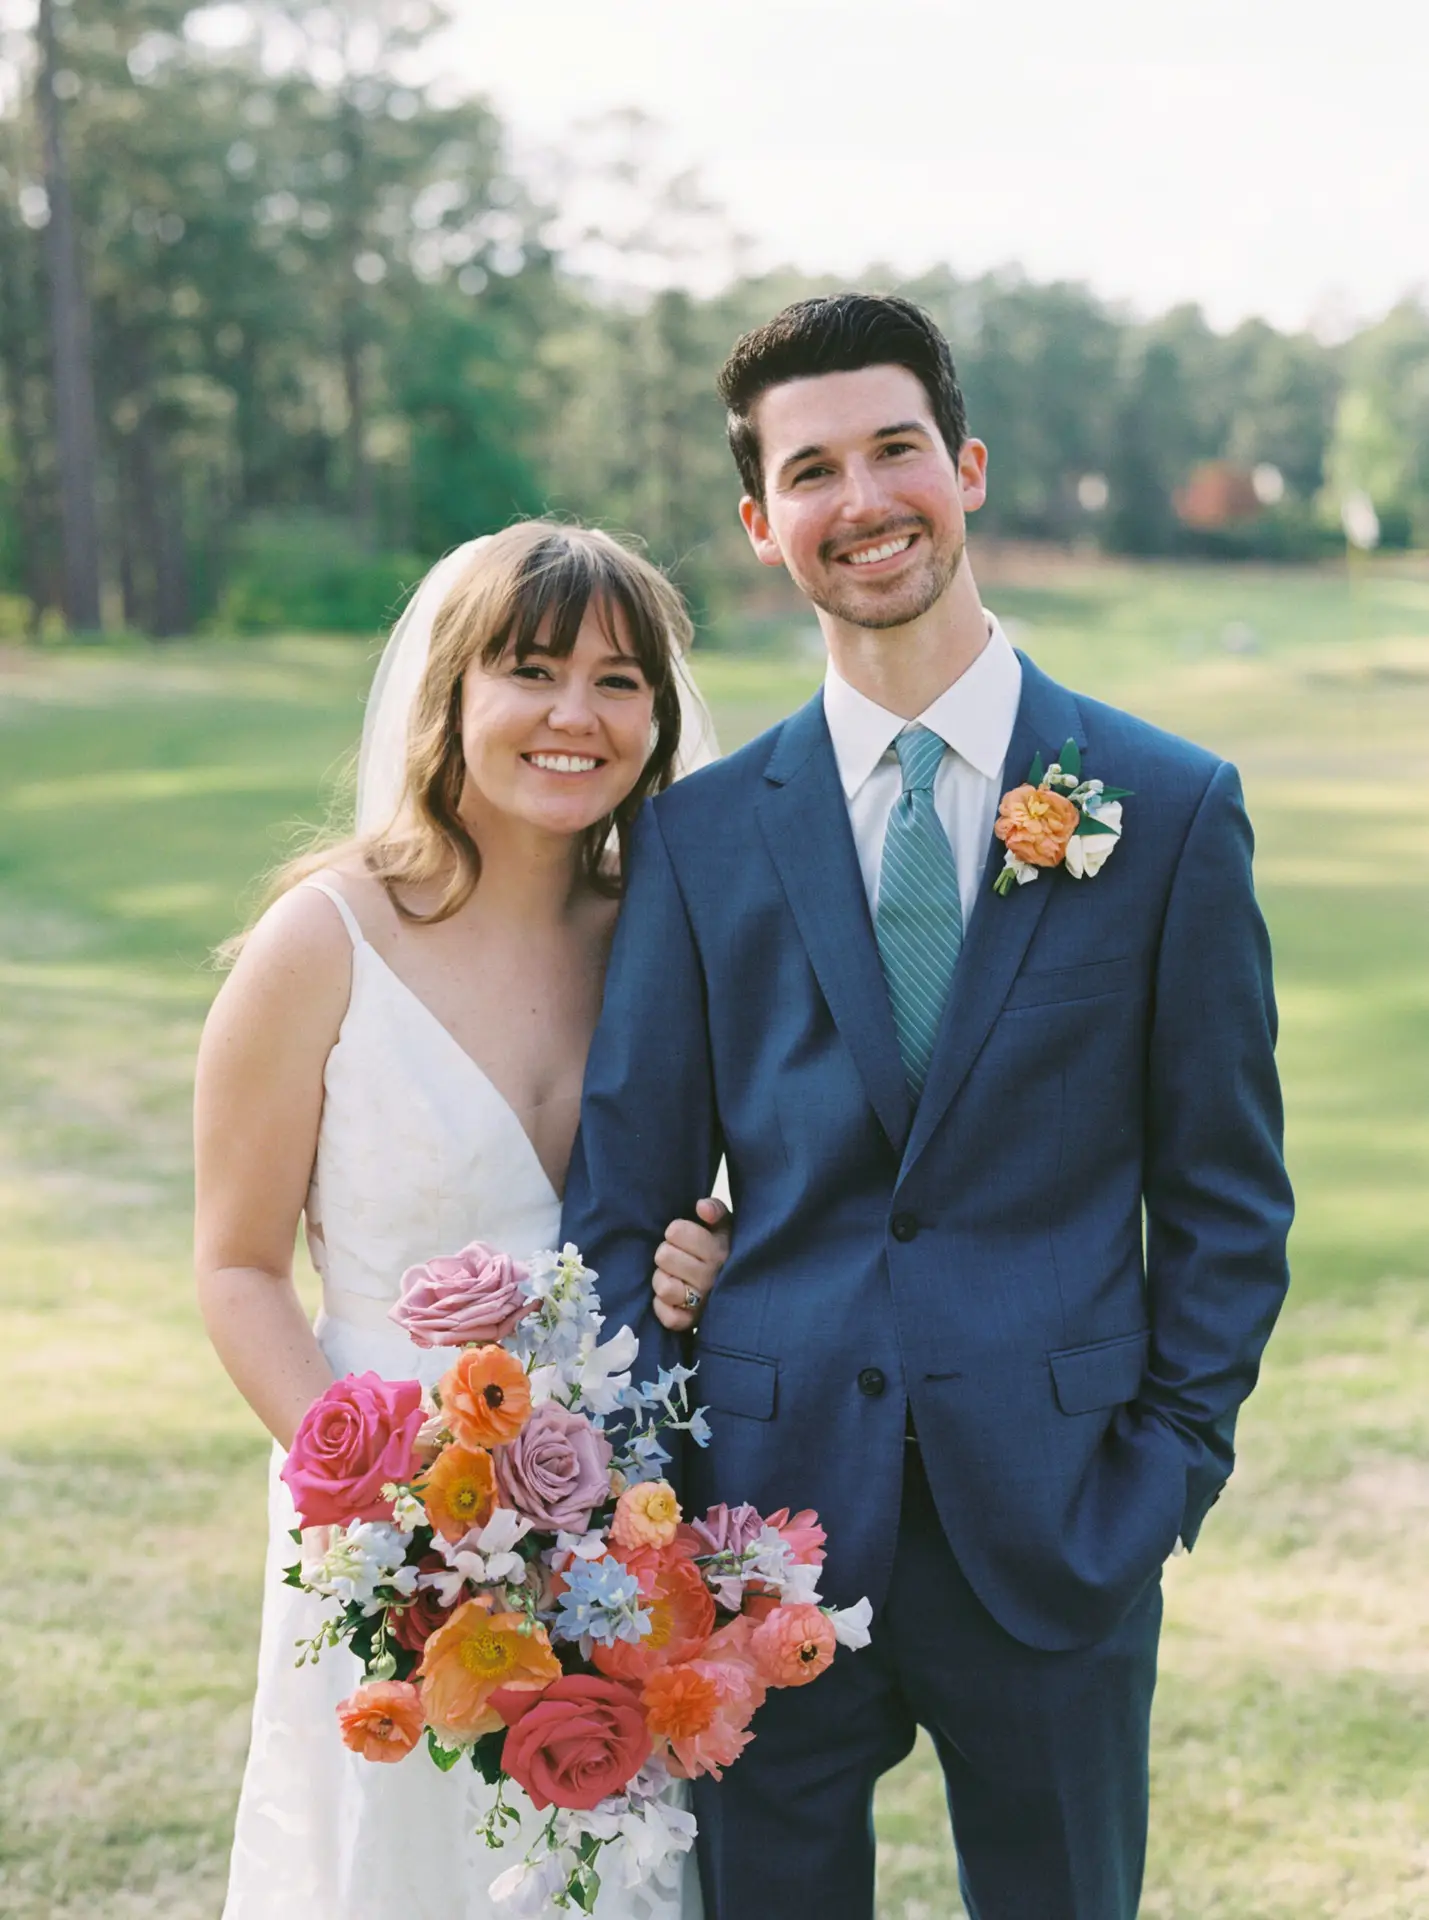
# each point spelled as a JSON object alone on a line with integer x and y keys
{"x": 76, "y": 435}
{"x": 1381, "y": 435}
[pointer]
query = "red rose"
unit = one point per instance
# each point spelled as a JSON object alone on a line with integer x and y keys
{"x": 351, "y": 1441}
{"x": 574, "y": 1745}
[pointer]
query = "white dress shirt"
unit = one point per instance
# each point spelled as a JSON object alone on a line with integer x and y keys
{"x": 975, "y": 717}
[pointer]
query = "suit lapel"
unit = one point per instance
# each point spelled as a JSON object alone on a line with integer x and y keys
{"x": 805, "y": 821}
{"x": 1003, "y": 926}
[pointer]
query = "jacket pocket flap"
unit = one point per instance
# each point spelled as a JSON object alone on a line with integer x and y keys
{"x": 1106, "y": 1375}
{"x": 1050, "y": 986}
{"x": 735, "y": 1382}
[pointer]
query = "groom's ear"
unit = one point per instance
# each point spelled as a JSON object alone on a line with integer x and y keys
{"x": 761, "y": 537}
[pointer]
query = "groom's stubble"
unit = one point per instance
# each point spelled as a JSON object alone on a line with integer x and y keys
{"x": 909, "y": 599}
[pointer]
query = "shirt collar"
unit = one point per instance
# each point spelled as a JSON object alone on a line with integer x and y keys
{"x": 974, "y": 716}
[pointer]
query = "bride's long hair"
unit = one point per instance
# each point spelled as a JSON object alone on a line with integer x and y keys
{"x": 535, "y": 572}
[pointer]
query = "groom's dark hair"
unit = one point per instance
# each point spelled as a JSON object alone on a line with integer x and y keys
{"x": 837, "y": 333}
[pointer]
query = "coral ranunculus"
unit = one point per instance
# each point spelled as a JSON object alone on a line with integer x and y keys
{"x": 1035, "y": 823}
{"x": 682, "y": 1617}
{"x": 582, "y": 1740}
{"x": 459, "y": 1490}
{"x": 476, "y": 1654}
{"x": 646, "y": 1515}
{"x": 355, "y": 1437}
{"x": 486, "y": 1397}
{"x": 382, "y": 1720}
{"x": 680, "y": 1702}
{"x": 793, "y": 1645}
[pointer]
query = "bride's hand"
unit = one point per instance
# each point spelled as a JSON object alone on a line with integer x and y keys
{"x": 687, "y": 1264}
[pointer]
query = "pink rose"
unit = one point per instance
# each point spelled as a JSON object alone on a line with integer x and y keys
{"x": 556, "y": 1470}
{"x": 351, "y": 1441}
{"x": 728, "y": 1529}
{"x": 575, "y": 1744}
{"x": 472, "y": 1298}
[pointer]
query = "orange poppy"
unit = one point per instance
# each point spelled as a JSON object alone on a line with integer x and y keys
{"x": 458, "y": 1490}
{"x": 486, "y": 1397}
{"x": 476, "y": 1654}
{"x": 382, "y": 1720}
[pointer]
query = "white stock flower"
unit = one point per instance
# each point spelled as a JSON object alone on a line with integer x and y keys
{"x": 368, "y": 1554}
{"x": 528, "y": 1889}
{"x": 1088, "y": 853}
{"x": 850, "y": 1624}
{"x": 484, "y": 1556}
{"x": 605, "y": 1372}
{"x": 1022, "y": 871}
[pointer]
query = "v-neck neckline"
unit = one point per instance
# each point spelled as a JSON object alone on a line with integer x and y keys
{"x": 456, "y": 1046}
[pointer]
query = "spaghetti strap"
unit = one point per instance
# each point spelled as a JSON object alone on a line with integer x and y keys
{"x": 349, "y": 918}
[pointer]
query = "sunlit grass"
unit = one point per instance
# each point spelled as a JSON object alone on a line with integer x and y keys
{"x": 141, "y": 792}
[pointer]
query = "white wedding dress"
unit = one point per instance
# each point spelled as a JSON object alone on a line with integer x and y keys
{"x": 418, "y": 1154}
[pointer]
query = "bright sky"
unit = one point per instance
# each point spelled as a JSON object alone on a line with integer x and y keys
{"x": 1260, "y": 156}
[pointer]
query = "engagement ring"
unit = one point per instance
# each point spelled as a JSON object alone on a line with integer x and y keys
{"x": 692, "y": 1300}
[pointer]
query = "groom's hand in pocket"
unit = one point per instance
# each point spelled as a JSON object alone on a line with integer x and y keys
{"x": 687, "y": 1264}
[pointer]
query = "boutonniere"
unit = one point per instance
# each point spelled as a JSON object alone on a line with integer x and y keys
{"x": 1057, "y": 819}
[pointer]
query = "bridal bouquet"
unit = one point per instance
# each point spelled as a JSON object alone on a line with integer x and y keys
{"x": 521, "y": 1587}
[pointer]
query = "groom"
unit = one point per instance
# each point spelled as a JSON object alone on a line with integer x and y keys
{"x": 1010, "y": 1211}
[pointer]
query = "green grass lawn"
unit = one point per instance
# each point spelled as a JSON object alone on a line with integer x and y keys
{"x": 141, "y": 790}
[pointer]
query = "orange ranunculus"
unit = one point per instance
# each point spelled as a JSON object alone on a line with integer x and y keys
{"x": 682, "y": 1617}
{"x": 646, "y": 1515}
{"x": 382, "y": 1720}
{"x": 793, "y": 1645}
{"x": 486, "y": 1397}
{"x": 1036, "y": 824}
{"x": 473, "y": 1656}
{"x": 459, "y": 1490}
{"x": 680, "y": 1702}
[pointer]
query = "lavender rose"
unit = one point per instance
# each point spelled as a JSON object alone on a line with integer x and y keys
{"x": 471, "y": 1298}
{"x": 556, "y": 1470}
{"x": 729, "y": 1529}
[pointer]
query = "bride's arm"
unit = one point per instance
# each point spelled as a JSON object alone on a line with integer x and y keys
{"x": 257, "y": 1104}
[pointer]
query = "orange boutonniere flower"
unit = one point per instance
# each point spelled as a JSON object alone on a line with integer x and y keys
{"x": 486, "y": 1397}
{"x": 1057, "y": 819}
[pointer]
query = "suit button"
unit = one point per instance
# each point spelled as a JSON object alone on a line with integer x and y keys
{"x": 871, "y": 1382}
{"x": 905, "y": 1227}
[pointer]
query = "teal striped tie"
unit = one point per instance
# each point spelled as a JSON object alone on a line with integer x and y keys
{"x": 920, "y": 911}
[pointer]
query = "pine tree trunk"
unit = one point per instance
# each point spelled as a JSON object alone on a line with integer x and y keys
{"x": 76, "y": 434}
{"x": 16, "y": 287}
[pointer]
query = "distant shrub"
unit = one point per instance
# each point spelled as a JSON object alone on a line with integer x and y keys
{"x": 308, "y": 572}
{"x": 16, "y": 617}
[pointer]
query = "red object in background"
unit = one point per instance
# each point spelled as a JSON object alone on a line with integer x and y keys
{"x": 1217, "y": 494}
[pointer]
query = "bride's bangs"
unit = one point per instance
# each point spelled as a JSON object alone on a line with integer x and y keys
{"x": 563, "y": 577}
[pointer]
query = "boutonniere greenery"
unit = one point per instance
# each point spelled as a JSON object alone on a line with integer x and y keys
{"x": 1057, "y": 819}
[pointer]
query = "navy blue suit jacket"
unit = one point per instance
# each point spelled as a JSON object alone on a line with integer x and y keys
{"x": 1065, "y": 1261}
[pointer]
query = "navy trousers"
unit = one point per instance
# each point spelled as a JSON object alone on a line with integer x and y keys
{"x": 1044, "y": 1756}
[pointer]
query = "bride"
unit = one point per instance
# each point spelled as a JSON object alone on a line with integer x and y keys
{"x": 397, "y": 1058}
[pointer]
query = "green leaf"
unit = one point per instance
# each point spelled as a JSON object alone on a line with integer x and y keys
{"x": 584, "y": 1888}
{"x": 486, "y": 1755}
{"x": 295, "y": 1534}
{"x": 1037, "y": 771}
{"x": 444, "y": 1757}
{"x": 1117, "y": 793}
{"x": 1071, "y": 759}
{"x": 293, "y": 1577}
{"x": 1088, "y": 826}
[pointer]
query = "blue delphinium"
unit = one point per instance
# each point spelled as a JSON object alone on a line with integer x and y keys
{"x": 601, "y": 1602}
